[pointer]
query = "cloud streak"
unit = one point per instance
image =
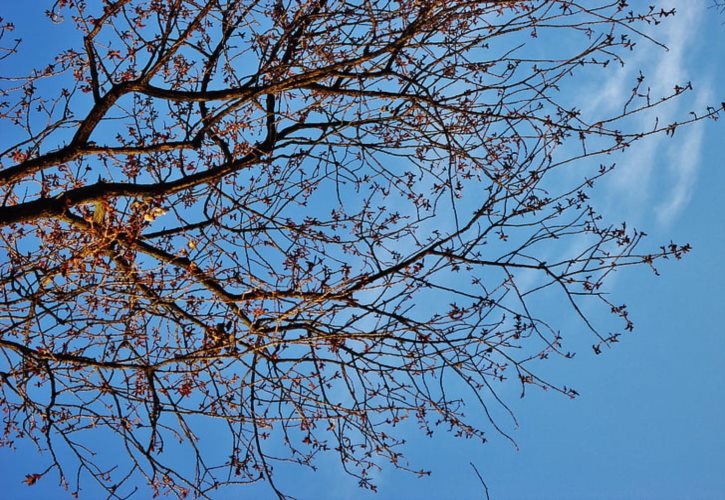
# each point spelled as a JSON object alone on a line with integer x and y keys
{"x": 683, "y": 166}
{"x": 658, "y": 165}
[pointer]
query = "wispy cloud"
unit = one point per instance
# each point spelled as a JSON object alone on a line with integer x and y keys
{"x": 683, "y": 164}
{"x": 656, "y": 177}
{"x": 658, "y": 165}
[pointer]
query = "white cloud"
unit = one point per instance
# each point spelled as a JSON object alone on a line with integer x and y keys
{"x": 656, "y": 177}
{"x": 683, "y": 164}
{"x": 658, "y": 164}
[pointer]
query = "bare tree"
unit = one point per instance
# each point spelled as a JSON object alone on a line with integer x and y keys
{"x": 299, "y": 222}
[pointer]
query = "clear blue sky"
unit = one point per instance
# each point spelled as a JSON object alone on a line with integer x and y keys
{"x": 651, "y": 417}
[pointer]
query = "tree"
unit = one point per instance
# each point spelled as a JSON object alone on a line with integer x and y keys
{"x": 301, "y": 223}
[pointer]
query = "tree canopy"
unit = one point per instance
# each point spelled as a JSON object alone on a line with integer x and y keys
{"x": 299, "y": 225}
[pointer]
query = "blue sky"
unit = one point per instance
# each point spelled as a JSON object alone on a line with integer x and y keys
{"x": 649, "y": 422}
